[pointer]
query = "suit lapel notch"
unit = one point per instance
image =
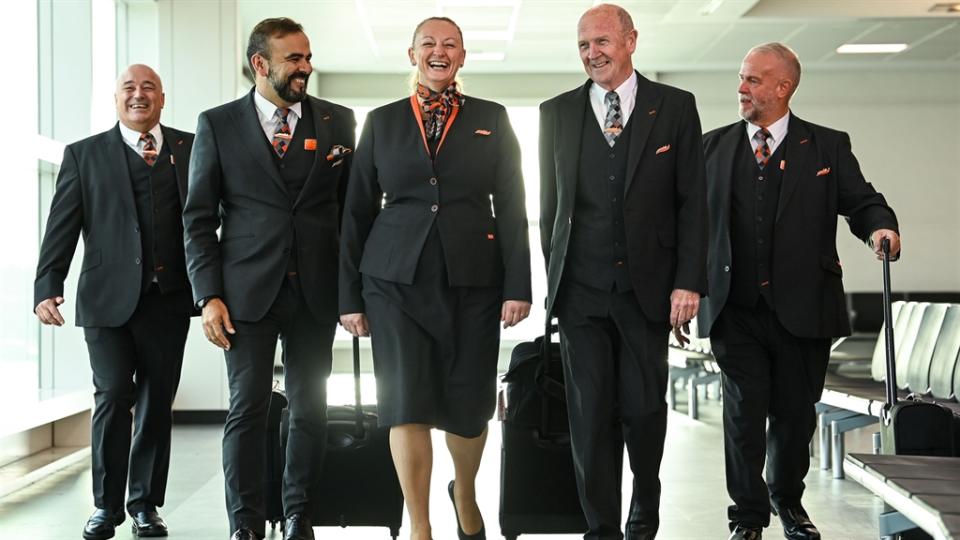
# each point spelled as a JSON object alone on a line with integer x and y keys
{"x": 798, "y": 143}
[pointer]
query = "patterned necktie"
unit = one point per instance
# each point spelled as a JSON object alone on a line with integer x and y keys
{"x": 282, "y": 136}
{"x": 149, "y": 151}
{"x": 613, "y": 124}
{"x": 763, "y": 149}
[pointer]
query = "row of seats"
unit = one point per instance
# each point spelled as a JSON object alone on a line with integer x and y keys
{"x": 927, "y": 342}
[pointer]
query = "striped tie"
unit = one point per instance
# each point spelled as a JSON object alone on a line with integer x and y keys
{"x": 282, "y": 136}
{"x": 149, "y": 151}
{"x": 763, "y": 149}
{"x": 613, "y": 124}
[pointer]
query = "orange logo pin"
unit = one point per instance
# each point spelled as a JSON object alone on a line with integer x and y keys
{"x": 309, "y": 144}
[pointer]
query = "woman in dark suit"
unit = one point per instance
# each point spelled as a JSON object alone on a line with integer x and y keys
{"x": 429, "y": 268}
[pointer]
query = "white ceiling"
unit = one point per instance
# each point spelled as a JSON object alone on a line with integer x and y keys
{"x": 372, "y": 36}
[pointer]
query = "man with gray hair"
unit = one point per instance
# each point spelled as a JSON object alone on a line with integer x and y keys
{"x": 124, "y": 190}
{"x": 776, "y": 185}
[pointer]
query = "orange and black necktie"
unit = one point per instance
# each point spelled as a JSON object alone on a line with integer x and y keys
{"x": 149, "y": 151}
{"x": 763, "y": 149}
{"x": 282, "y": 136}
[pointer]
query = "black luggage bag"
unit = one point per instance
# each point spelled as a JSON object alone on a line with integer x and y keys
{"x": 538, "y": 490}
{"x": 358, "y": 483}
{"x": 912, "y": 427}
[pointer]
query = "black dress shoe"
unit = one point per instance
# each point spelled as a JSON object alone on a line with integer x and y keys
{"x": 148, "y": 524}
{"x": 796, "y": 523}
{"x": 102, "y": 524}
{"x": 479, "y": 535}
{"x": 298, "y": 527}
{"x": 243, "y": 534}
{"x": 746, "y": 532}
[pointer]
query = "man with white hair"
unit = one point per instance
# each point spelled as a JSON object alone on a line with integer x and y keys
{"x": 775, "y": 186}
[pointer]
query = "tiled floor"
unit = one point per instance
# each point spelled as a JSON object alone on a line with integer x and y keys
{"x": 693, "y": 507}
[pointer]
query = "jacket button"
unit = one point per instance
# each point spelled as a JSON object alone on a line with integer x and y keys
{"x": 434, "y": 208}
{"x": 433, "y": 181}
{"x": 726, "y": 268}
{"x": 137, "y": 260}
{"x": 136, "y": 229}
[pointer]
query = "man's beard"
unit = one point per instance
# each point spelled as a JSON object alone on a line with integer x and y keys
{"x": 283, "y": 89}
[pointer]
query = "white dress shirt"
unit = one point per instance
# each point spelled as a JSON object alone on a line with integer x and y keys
{"x": 778, "y": 132}
{"x": 628, "y": 97}
{"x": 266, "y": 112}
{"x": 132, "y": 137}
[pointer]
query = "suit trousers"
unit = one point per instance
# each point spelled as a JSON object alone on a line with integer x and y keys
{"x": 769, "y": 375}
{"x": 615, "y": 369}
{"x": 307, "y": 359}
{"x": 136, "y": 367}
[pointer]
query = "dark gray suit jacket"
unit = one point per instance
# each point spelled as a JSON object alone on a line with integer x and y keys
{"x": 94, "y": 196}
{"x": 664, "y": 209}
{"x": 821, "y": 180}
{"x": 236, "y": 186}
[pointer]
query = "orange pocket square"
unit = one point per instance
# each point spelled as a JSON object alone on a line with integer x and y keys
{"x": 482, "y": 132}
{"x": 662, "y": 149}
{"x": 824, "y": 171}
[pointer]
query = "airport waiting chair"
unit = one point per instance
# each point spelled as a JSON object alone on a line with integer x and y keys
{"x": 921, "y": 355}
{"x": 946, "y": 356}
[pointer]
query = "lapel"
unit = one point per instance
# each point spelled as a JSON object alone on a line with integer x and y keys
{"x": 726, "y": 153}
{"x": 645, "y": 112}
{"x": 572, "y": 110}
{"x": 178, "y": 152}
{"x": 322, "y": 125}
{"x": 251, "y": 134}
{"x": 117, "y": 157}
{"x": 798, "y": 143}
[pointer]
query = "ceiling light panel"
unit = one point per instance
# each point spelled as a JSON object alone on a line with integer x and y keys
{"x": 871, "y": 48}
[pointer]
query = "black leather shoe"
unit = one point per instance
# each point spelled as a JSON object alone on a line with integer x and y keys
{"x": 796, "y": 523}
{"x": 746, "y": 532}
{"x": 479, "y": 535}
{"x": 298, "y": 527}
{"x": 243, "y": 534}
{"x": 148, "y": 524}
{"x": 103, "y": 524}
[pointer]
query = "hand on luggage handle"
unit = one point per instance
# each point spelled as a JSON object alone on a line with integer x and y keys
{"x": 891, "y": 387}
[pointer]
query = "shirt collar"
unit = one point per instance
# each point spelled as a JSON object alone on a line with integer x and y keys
{"x": 778, "y": 129}
{"x": 627, "y": 90}
{"x": 132, "y": 136}
{"x": 267, "y": 108}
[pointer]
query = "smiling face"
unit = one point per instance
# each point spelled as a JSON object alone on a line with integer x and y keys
{"x": 606, "y": 47}
{"x": 139, "y": 98}
{"x": 282, "y": 78}
{"x": 765, "y": 88}
{"x": 438, "y": 53}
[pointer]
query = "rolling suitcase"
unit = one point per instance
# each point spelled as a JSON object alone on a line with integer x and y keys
{"x": 913, "y": 426}
{"x": 358, "y": 483}
{"x": 538, "y": 490}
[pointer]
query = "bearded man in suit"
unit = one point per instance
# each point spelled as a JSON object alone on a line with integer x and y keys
{"x": 270, "y": 170}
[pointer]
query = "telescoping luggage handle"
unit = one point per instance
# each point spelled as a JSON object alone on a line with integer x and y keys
{"x": 356, "y": 388}
{"x": 888, "y": 331}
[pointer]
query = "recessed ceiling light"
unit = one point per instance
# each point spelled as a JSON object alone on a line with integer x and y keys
{"x": 945, "y": 7}
{"x": 486, "y": 56}
{"x": 871, "y": 48}
{"x": 711, "y": 7}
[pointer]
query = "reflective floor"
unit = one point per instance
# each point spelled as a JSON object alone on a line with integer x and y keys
{"x": 693, "y": 506}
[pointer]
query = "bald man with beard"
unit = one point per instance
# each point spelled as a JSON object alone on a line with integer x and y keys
{"x": 124, "y": 190}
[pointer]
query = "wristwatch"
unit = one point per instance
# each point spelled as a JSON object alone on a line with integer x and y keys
{"x": 205, "y": 300}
